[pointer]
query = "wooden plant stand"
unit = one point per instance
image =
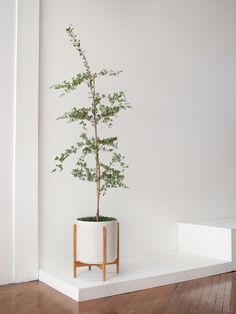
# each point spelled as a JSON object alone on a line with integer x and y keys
{"x": 103, "y": 265}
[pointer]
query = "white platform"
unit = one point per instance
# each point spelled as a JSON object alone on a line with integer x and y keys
{"x": 205, "y": 248}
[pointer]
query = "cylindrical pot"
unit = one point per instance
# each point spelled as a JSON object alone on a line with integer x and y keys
{"x": 89, "y": 241}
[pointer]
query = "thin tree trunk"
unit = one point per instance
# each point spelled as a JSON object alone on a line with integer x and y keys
{"x": 97, "y": 171}
{"x": 97, "y": 178}
{"x": 91, "y": 85}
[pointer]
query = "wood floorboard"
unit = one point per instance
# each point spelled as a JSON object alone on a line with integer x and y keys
{"x": 210, "y": 295}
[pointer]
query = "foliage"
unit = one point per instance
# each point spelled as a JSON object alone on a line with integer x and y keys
{"x": 102, "y": 110}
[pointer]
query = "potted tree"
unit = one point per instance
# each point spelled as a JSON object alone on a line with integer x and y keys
{"x": 106, "y": 173}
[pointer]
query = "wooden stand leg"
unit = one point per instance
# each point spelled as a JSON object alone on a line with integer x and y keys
{"x": 74, "y": 251}
{"x": 118, "y": 250}
{"x": 104, "y": 252}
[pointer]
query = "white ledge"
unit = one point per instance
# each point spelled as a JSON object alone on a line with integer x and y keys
{"x": 136, "y": 273}
{"x": 205, "y": 248}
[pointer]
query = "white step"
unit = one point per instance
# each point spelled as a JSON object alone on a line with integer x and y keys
{"x": 205, "y": 248}
{"x": 136, "y": 273}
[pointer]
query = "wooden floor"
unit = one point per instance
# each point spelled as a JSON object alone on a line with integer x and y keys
{"x": 216, "y": 294}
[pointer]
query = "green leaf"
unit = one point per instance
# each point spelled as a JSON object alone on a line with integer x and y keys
{"x": 77, "y": 114}
{"x": 105, "y": 72}
{"x": 69, "y": 86}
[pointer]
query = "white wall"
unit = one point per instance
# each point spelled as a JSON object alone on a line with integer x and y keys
{"x": 7, "y": 34}
{"x": 26, "y": 143}
{"x": 19, "y": 25}
{"x": 179, "y": 68}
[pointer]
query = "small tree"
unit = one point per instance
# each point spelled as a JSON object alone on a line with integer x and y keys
{"x": 102, "y": 109}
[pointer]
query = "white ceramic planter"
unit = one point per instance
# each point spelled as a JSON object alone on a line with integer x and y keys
{"x": 89, "y": 241}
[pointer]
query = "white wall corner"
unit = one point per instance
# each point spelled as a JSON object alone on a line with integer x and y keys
{"x": 25, "y": 205}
